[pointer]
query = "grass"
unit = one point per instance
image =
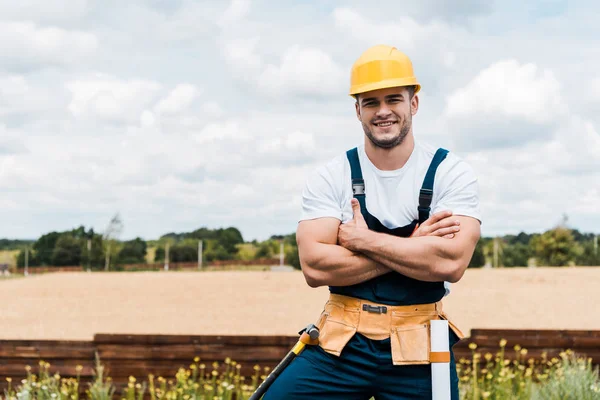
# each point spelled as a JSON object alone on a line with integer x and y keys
{"x": 569, "y": 376}
{"x": 9, "y": 257}
{"x": 496, "y": 377}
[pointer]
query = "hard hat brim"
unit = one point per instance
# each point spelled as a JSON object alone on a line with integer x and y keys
{"x": 385, "y": 85}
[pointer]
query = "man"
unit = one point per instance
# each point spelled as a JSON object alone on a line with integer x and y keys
{"x": 387, "y": 226}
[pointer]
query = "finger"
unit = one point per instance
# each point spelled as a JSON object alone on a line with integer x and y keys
{"x": 356, "y": 210}
{"x": 445, "y": 231}
{"x": 414, "y": 230}
{"x": 449, "y": 236}
{"x": 445, "y": 223}
{"x": 438, "y": 216}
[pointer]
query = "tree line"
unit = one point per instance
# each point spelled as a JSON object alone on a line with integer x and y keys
{"x": 85, "y": 247}
{"x": 559, "y": 246}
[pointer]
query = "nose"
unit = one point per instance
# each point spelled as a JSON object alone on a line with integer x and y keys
{"x": 383, "y": 110}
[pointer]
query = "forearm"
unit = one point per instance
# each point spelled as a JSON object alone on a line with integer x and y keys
{"x": 333, "y": 265}
{"x": 426, "y": 258}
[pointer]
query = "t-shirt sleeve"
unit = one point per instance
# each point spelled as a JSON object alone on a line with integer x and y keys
{"x": 459, "y": 191}
{"x": 320, "y": 197}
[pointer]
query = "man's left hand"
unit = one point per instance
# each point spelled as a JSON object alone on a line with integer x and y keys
{"x": 352, "y": 234}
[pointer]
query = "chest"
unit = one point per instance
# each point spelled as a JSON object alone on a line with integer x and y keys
{"x": 392, "y": 200}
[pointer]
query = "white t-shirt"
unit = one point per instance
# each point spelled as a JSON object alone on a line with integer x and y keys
{"x": 392, "y": 196}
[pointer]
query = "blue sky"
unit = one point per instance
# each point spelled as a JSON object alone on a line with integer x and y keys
{"x": 182, "y": 114}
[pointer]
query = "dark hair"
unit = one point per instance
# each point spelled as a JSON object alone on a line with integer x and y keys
{"x": 411, "y": 92}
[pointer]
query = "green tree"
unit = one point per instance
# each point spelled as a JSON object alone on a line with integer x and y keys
{"x": 590, "y": 254}
{"x": 267, "y": 249}
{"x": 132, "y": 252}
{"x": 186, "y": 251}
{"x": 556, "y": 247}
{"x": 478, "y": 258}
{"x": 515, "y": 255}
{"x": 67, "y": 251}
{"x": 44, "y": 248}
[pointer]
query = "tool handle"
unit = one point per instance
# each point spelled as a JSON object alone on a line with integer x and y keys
{"x": 262, "y": 388}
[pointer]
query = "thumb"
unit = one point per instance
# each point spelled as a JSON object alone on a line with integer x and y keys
{"x": 356, "y": 210}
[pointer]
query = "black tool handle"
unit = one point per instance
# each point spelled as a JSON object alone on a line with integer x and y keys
{"x": 262, "y": 388}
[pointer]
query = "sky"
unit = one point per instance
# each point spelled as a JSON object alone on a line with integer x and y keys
{"x": 183, "y": 114}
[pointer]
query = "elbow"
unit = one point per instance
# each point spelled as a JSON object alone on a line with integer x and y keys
{"x": 312, "y": 276}
{"x": 454, "y": 271}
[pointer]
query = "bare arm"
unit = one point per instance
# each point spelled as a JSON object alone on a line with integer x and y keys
{"x": 324, "y": 262}
{"x": 426, "y": 258}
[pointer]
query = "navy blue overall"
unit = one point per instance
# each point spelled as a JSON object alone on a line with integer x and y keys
{"x": 365, "y": 369}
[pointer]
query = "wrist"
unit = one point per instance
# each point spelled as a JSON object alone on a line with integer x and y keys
{"x": 367, "y": 244}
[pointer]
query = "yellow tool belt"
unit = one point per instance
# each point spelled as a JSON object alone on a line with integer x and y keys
{"x": 406, "y": 326}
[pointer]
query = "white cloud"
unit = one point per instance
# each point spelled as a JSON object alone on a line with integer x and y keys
{"x": 31, "y": 46}
{"x": 202, "y": 115}
{"x": 509, "y": 89}
{"x": 574, "y": 149}
{"x": 302, "y": 71}
{"x": 594, "y": 89}
{"x": 43, "y": 10}
{"x": 110, "y": 98}
{"x": 178, "y": 99}
{"x": 21, "y": 101}
{"x": 237, "y": 10}
{"x": 406, "y": 33}
{"x": 241, "y": 53}
{"x": 505, "y": 105}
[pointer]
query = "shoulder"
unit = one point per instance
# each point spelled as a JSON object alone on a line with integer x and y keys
{"x": 453, "y": 164}
{"x": 333, "y": 169}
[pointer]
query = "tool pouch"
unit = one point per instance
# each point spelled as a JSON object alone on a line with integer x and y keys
{"x": 337, "y": 324}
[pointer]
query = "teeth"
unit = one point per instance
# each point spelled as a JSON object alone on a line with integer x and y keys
{"x": 385, "y": 124}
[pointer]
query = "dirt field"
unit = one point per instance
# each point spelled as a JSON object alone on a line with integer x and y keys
{"x": 78, "y": 305}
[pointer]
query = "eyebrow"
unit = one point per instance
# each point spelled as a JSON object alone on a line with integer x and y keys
{"x": 388, "y": 97}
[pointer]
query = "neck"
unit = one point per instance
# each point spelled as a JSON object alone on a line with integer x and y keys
{"x": 393, "y": 158}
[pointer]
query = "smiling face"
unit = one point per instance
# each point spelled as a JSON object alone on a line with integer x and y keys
{"x": 386, "y": 115}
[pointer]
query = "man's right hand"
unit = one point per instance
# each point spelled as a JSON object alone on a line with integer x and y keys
{"x": 439, "y": 224}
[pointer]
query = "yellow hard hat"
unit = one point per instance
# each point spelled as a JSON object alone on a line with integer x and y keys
{"x": 382, "y": 67}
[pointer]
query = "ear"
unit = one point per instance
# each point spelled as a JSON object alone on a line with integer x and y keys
{"x": 357, "y": 106}
{"x": 414, "y": 104}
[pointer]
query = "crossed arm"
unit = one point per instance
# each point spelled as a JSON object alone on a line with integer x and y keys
{"x": 345, "y": 254}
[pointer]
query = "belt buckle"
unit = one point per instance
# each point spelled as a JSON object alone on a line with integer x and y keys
{"x": 375, "y": 309}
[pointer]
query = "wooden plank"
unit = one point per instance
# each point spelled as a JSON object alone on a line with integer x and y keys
{"x": 506, "y": 333}
{"x": 46, "y": 352}
{"x": 527, "y": 342}
{"x": 188, "y": 352}
{"x": 194, "y": 339}
{"x": 47, "y": 343}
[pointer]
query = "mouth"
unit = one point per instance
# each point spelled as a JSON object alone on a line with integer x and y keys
{"x": 385, "y": 124}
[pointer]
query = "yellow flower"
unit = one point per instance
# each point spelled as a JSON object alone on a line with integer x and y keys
{"x": 472, "y": 346}
{"x": 523, "y": 352}
{"x": 517, "y": 347}
{"x": 196, "y": 359}
{"x": 488, "y": 356}
{"x": 502, "y": 342}
{"x": 9, "y": 380}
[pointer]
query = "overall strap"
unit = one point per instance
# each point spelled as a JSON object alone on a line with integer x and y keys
{"x": 426, "y": 193}
{"x": 358, "y": 184}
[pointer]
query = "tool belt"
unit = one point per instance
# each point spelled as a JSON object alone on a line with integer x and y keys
{"x": 406, "y": 326}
